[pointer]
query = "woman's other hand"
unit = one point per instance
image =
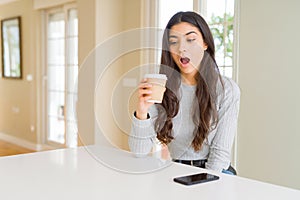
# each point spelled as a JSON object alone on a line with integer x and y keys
{"x": 144, "y": 95}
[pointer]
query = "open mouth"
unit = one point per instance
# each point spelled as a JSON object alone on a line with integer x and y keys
{"x": 184, "y": 60}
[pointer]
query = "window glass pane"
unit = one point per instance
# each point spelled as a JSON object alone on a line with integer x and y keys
{"x": 228, "y": 71}
{"x": 220, "y": 16}
{"x": 72, "y": 79}
{"x": 56, "y": 129}
{"x": 168, "y": 8}
{"x": 229, "y": 41}
{"x": 56, "y": 103}
{"x": 56, "y": 78}
{"x": 230, "y": 7}
{"x": 215, "y": 8}
{"x": 72, "y": 134}
{"x": 73, "y": 51}
{"x": 73, "y": 23}
{"x": 220, "y": 57}
{"x": 228, "y": 61}
{"x": 56, "y": 51}
{"x": 56, "y": 25}
{"x": 70, "y": 110}
{"x": 56, "y": 113}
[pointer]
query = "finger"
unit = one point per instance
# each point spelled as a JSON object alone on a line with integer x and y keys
{"x": 145, "y": 85}
{"x": 144, "y": 80}
{"x": 145, "y": 94}
{"x": 145, "y": 99}
{"x": 145, "y": 91}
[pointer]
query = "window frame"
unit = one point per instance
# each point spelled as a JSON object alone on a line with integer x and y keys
{"x": 44, "y": 112}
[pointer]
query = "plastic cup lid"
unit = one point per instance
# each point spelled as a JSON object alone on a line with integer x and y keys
{"x": 158, "y": 76}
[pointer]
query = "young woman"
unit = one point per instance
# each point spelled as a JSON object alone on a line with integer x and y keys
{"x": 197, "y": 118}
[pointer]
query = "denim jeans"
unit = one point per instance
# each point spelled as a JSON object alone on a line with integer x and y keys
{"x": 230, "y": 171}
{"x": 227, "y": 172}
{"x": 201, "y": 164}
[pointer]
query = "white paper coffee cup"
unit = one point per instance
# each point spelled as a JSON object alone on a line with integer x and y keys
{"x": 158, "y": 88}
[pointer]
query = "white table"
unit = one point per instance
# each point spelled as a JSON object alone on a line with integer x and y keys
{"x": 83, "y": 173}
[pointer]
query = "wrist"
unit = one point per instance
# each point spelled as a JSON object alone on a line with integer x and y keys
{"x": 141, "y": 116}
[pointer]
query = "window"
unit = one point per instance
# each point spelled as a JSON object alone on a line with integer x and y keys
{"x": 168, "y": 8}
{"x": 62, "y": 73}
{"x": 220, "y": 17}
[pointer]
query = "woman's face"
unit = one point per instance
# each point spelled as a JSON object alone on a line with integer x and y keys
{"x": 186, "y": 47}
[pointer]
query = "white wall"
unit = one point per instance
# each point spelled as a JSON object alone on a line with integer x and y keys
{"x": 269, "y": 69}
{"x": 87, "y": 42}
{"x": 18, "y": 96}
{"x": 98, "y": 75}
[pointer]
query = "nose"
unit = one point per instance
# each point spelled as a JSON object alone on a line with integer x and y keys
{"x": 182, "y": 47}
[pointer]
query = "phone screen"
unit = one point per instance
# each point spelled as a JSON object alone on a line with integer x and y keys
{"x": 196, "y": 178}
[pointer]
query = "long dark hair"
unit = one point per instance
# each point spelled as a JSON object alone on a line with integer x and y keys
{"x": 205, "y": 116}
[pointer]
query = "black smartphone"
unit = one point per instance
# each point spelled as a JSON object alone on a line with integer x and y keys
{"x": 195, "y": 178}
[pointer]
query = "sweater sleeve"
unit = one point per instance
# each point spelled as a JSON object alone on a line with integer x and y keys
{"x": 221, "y": 145}
{"x": 142, "y": 135}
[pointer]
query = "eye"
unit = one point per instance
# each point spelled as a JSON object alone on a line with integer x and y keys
{"x": 191, "y": 39}
{"x": 172, "y": 42}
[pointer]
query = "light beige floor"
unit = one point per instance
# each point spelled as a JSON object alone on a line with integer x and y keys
{"x": 7, "y": 149}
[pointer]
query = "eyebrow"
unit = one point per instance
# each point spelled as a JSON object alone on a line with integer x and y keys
{"x": 191, "y": 33}
{"x": 188, "y": 33}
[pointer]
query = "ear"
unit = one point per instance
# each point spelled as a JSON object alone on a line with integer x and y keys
{"x": 205, "y": 46}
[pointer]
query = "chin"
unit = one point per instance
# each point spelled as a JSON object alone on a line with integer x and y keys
{"x": 188, "y": 70}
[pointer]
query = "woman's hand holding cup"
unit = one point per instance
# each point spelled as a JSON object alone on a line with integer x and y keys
{"x": 144, "y": 97}
{"x": 151, "y": 90}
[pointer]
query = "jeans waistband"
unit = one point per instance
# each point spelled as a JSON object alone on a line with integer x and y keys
{"x": 196, "y": 163}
